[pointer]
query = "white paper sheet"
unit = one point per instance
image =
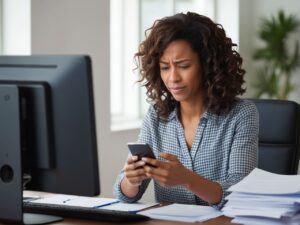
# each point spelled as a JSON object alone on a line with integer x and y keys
{"x": 182, "y": 212}
{"x": 266, "y": 221}
{"x": 263, "y": 212}
{"x": 263, "y": 182}
{"x": 263, "y": 197}
{"x": 260, "y": 204}
{"x": 130, "y": 207}
{"x": 74, "y": 200}
{"x": 256, "y": 221}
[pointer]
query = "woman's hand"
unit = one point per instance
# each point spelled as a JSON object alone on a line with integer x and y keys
{"x": 171, "y": 173}
{"x": 134, "y": 175}
{"x": 167, "y": 173}
{"x": 134, "y": 171}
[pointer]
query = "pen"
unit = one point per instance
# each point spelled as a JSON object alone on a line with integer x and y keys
{"x": 67, "y": 200}
{"x": 106, "y": 204}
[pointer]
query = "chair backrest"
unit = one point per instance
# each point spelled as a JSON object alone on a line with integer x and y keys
{"x": 279, "y": 135}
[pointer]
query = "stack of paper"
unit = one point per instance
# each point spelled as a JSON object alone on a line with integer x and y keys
{"x": 265, "y": 198}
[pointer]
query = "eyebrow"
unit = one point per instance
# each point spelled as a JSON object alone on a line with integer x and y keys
{"x": 176, "y": 61}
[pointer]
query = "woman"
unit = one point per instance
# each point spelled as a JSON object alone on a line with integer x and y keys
{"x": 204, "y": 137}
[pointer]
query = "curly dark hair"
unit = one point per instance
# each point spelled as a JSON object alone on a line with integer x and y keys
{"x": 222, "y": 73}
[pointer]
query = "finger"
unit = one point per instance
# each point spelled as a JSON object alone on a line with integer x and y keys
{"x": 168, "y": 156}
{"x": 132, "y": 159}
{"x": 152, "y": 162}
{"x": 134, "y": 166}
{"x": 135, "y": 173}
{"x": 155, "y": 171}
{"x": 158, "y": 178}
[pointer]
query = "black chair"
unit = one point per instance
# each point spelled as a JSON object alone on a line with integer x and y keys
{"x": 279, "y": 135}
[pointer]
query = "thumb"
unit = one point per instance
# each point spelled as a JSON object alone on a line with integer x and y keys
{"x": 168, "y": 156}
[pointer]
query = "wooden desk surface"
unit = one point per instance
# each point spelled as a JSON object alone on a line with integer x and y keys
{"x": 217, "y": 221}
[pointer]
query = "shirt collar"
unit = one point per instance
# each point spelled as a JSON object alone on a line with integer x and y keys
{"x": 207, "y": 115}
{"x": 172, "y": 115}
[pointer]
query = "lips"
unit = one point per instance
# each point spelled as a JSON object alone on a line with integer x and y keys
{"x": 176, "y": 89}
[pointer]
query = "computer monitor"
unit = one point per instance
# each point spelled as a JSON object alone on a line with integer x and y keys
{"x": 47, "y": 128}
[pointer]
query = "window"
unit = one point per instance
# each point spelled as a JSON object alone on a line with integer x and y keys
{"x": 15, "y": 23}
{"x": 129, "y": 20}
{"x": 1, "y": 27}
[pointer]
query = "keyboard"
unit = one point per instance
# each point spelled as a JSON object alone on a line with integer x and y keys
{"x": 82, "y": 212}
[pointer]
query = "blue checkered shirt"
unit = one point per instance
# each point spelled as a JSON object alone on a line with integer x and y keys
{"x": 225, "y": 150}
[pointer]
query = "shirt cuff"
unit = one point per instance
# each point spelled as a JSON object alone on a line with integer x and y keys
{"x": 123, "y": 198}
{"x": 224, "y": 187}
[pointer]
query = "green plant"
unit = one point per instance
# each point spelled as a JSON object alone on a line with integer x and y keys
{"x": 279, "y": 63}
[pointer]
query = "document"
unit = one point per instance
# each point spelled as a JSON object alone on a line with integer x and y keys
{"x": 264, "y": 198}
{"x": 182, "y": 212}
{"x": 74, "y": 200}
{"x": 263, "y": 182}
{"x": 94, "y": 202}
{"x": 129, "y": 207}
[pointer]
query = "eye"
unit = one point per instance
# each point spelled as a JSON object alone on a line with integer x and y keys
{"x": 184, "y": 66}
{"x": 163, "y": 68}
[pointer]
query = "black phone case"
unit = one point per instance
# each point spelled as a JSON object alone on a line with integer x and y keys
{"x": 141, "y": 150}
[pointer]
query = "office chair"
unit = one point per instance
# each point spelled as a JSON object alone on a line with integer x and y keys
{"x": 279, "y": 135}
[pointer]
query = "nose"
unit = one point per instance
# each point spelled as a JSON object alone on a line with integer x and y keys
{"x": 174, "y": 75}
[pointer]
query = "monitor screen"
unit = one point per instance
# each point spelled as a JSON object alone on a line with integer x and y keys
{"x": 48, "y": 123}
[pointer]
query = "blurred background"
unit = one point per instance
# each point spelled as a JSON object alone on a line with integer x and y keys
{"x": 266, "y": 32}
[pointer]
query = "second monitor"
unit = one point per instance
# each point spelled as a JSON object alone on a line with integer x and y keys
{"x": 49, "y": 111}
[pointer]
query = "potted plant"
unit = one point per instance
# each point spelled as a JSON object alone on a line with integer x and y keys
{"x": 280, "y": 60}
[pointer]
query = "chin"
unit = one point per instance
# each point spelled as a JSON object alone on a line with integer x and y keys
{"x": 179, "y": 98}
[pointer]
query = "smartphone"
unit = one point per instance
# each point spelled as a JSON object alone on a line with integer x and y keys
{"x": 141, "y": 150}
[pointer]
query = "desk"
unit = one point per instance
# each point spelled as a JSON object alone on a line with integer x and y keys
{"x": 217, "y": 221}
{"x": 222, "y": 220}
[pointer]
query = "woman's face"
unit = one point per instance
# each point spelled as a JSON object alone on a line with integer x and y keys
{"x": 180, "y": 71}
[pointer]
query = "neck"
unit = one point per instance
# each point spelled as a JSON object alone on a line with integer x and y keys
{"x": 191, "y": 110}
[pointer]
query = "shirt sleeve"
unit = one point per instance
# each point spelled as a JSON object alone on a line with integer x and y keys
{"x": 144, "y": 137}
{"x": 244, "y": 151}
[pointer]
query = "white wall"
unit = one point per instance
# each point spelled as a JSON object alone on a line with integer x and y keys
{"x": 250, "y": 14}
{"x": 82, "y": 27}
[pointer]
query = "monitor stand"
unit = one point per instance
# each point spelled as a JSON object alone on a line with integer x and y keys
{"x": 11, "y": 178}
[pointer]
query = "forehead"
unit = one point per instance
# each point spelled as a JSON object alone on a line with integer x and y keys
{"x": 178, "y": 49}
